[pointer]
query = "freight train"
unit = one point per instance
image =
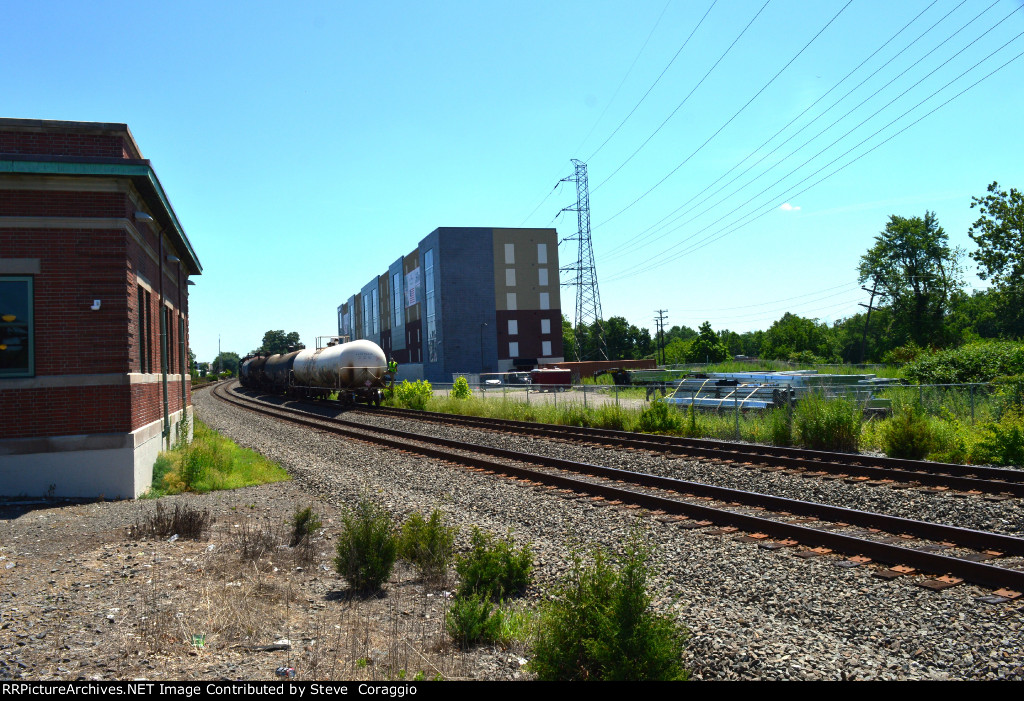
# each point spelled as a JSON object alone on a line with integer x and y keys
{"x": 355, "y": 372}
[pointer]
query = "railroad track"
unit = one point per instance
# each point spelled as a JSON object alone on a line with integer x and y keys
{"x": 997, "y": 482}
{"x": 912, "y": 547}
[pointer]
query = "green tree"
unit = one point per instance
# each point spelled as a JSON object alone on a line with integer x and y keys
{"x": 226, "y": 361}
{"x": 999, "y": 233}
{"x": 915, "y": 270}
{"x": 707, "y": 347}
{"x": 794, "y": 334}
{"x": 280, "y": 342}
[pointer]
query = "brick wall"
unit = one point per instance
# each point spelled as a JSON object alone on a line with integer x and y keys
{"x": 64, "y": 144}
{"x": 32, "y": 413}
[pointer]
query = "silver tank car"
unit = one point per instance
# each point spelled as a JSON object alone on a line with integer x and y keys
{"x": 358, "y": 367}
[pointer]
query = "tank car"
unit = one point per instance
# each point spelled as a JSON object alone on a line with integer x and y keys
{"x": 355, "y": 371}
{"x": 250, "y": 372}
{"x": 277, "y": 371}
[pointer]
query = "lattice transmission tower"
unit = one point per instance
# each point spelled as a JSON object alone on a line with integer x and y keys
{"x": 584, "y": 274}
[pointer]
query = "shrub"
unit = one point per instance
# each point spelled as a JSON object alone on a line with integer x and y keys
{"x": 780, "y": 427}
{"x": 907, "y": 433}
{"x": 428, "y": 543}
{"x": 600, "y": 625}
{"x": 493, "y": 567}
{"x": 828, "y": 423}
{"x": 974, "y": 362}
{"x": 659, "y": 417}
{"x": 1001, "y": 442}
{"x": 305, "y": 523}
{"x": 367, "y": 547}
{"x": 414, "y": 395}
{"x": 611, "y": 417}
{"x": 471, "y": 620}
{"x": 461, "y": 390}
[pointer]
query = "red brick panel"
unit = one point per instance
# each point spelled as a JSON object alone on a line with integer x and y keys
{"x": 31, "y": 413}
{"x": 64, "y": 144}
{"x": 35, "y": 203}
{"x": 76, "y": 268}
{"x": 147, "y": 401}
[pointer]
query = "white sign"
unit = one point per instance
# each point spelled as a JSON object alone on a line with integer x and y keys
{"x": 412, "y": 283}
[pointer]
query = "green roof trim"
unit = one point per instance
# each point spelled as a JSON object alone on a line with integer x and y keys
{"x": 141, "y": 174}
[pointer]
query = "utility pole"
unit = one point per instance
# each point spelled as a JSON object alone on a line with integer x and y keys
{"x": 588, "y": 297}
{"x": 660, "y": 320}
{"x": 867, "y": 320}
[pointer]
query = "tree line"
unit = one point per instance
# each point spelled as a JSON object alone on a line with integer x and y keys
{"x": 919, "y": 301}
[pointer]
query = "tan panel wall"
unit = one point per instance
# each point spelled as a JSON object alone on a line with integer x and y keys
{"x": 411, "y": 262}
{"x": 526, "y": 267}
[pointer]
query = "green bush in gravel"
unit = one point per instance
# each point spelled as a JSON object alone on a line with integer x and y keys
{"x": 428, "y": 543}
{"x": 367, "y": 547}
{"x": 414, "y": 395}
{"x": 305, "y": 522}
{"x": 494, "y": 567}
{"x": 907, "y": 434}
{"x": 600, "y": 625}
{"x": 659, "y": 417}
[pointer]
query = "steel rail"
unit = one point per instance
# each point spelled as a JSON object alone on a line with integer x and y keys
{"x": 965, "y": 477}
{"x": 977, "y": 572}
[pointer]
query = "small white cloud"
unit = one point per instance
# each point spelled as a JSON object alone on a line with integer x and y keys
{"x": 787, "y": 207}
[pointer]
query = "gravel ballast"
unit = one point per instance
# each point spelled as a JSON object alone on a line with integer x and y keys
{"x": 752, "y": 613}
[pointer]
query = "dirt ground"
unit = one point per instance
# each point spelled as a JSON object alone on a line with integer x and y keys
{"x": 85, "y": 596}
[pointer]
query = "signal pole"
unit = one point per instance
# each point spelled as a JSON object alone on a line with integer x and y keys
{"x": 660, "y": 320}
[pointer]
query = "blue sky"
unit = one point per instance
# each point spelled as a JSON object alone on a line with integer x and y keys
{"x": 305, "y": 146}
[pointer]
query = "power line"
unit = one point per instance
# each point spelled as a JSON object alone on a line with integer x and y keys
{"x": 736, "y": 225}
{"x": 610, "y": 101}
{"x": 837, "y": 140}
{"x": 709, "y": 238}
{"x": 728, "y": 122}
{"x": 655, "y": 226}
{"x": 693, "y": 90}
{"x": 656, "y": 80}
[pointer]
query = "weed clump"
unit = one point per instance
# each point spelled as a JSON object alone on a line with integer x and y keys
{"x": 305, "y": 522}
{"x": 493, "y": 568}
{"x": 414, "y": 395}
{"x": 367, "y": 547}
{"x": 659, "y": 417}
{"x": 600, "y": 625}
{"x": 907, "y": 434}
{"x": 1002, "y": 442}
{"x": 828, "y": 423}
{"x": 186, "y": 521}
{"x": 471, "y": 619}
{"x": 428, "y": 543}
{"x": 461, "y": 390}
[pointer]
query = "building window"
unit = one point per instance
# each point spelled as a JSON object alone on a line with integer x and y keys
{"x": 542, "y": 253}
{"x": 542, "y": 277}
{"x": 17, "y": 358}
{"x": 396, "y": 284}
{"x": 545, "y": 300}
{"x": 510, "y": 277}
{"x": 428, "y": 273}
{"x": 513, "y": 349}
{"x": 510, "y": 254}
{"x": 145, "y": 331}
{"x": 375, "y": 312}
{"x": 545, "y": 348}
{"x": 513, "y": 327}
{"x": 545, "y": 325}
{"x": 510, "y": 301}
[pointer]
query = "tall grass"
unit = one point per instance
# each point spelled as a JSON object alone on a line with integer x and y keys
{"x": 211, "y": 462}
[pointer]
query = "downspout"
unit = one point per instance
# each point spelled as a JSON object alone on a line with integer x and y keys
{"x": 181, "y": 347}
{"x": 163, "y": 341}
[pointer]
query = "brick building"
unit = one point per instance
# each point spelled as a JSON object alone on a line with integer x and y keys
{"x": 465, "y": 301}
{"x": 94, "y": 269}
